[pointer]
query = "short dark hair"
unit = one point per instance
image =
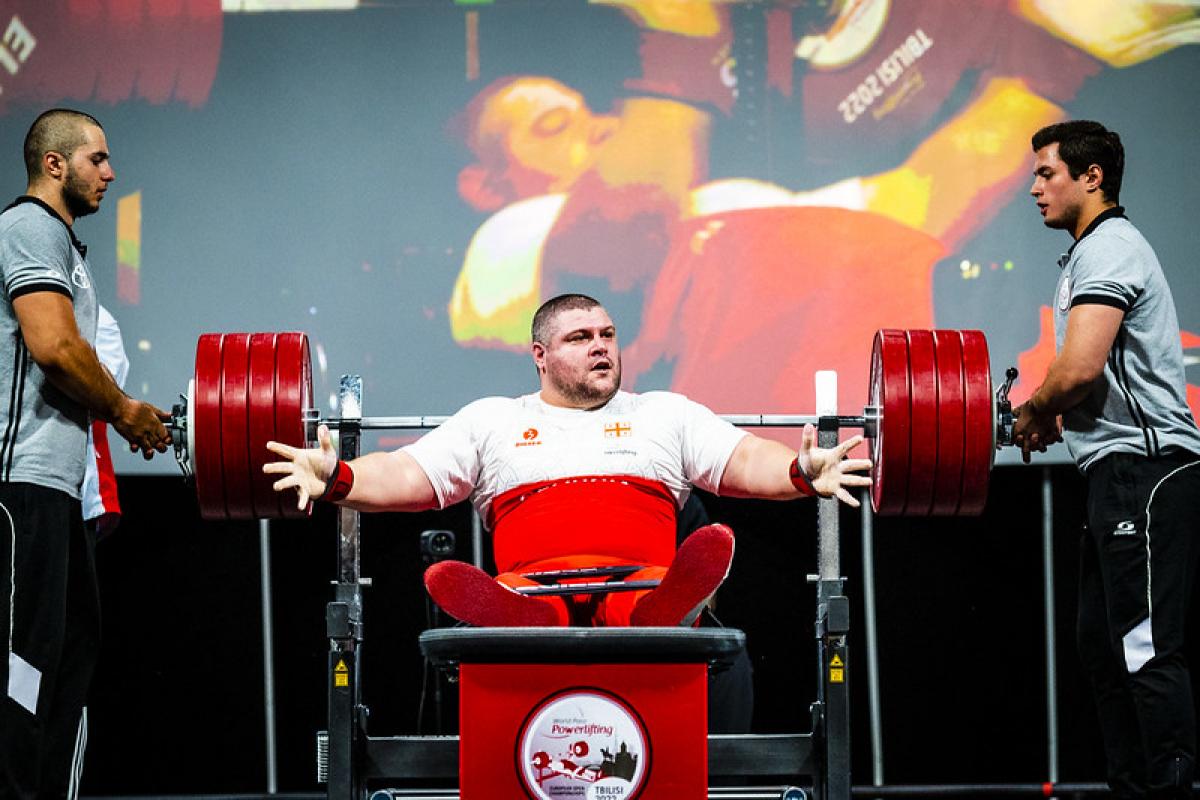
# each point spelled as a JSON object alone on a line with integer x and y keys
{"x": 59, "y": 130}
{"x": 1081, "y": 143}
{"x": 552, "y": 308}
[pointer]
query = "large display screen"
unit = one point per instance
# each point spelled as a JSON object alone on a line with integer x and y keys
{"x": 752, "y": 188}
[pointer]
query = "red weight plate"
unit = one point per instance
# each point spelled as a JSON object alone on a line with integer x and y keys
{"x": 235, "y": 369}
{"x": 889, "y": 393}
{"x": 206, "y": 423}
{"x": 260, "y": 402}
{"x": 980, "y": 425}
{"x": 947, "y": 482}
{"x": 923, "y": 436}
{"x": 293, "y": 396}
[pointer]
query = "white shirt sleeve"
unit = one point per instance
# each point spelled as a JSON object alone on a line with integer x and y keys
{"x": 708, "y": 442}
{"x": 110, "y": 348}
{"x": 450, "y": 454}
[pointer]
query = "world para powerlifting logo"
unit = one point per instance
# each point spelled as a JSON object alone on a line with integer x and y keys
{"x": 583, "y": 743}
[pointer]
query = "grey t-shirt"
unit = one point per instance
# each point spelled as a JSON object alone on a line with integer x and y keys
{"x": 43, "y": 433}
{"x": 1140, "y": 403}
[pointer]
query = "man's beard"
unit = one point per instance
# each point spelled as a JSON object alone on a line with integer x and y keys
{"x": 585, "y": 395}
{"x": 75, "y": 196}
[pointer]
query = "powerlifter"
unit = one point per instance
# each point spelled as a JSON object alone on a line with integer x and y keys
{"x": 577, "y": 475}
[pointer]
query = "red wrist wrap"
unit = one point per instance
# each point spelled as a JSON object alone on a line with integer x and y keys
{"x": 800, "y": 480}
{"x": 339, "y": 483}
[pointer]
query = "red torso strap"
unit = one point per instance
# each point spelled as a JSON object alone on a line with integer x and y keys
{"x": 616, "y": 518}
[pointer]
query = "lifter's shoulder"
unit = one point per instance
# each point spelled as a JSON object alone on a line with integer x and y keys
{"x": 664, "y": 398}
{"x": 659, "y": 404}
{"x": 489, "y": 408}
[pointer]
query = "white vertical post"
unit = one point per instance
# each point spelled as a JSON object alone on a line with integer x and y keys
{"x": 827, "y": 393}
{"x": 829, "y": 568}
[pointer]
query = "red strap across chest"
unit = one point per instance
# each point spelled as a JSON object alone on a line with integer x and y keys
{"x": 615, "y": 517}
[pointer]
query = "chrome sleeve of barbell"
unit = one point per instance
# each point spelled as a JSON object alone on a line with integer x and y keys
{"x": 397, "y": 423}
{"x": 788, "y": 420}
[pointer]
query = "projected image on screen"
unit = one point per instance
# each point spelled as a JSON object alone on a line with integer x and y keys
{"x": 752, "y": 189}
{"x": 728, "y": 264}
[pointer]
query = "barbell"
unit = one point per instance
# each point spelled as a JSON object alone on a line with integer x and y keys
{"x": 932, "y": 421}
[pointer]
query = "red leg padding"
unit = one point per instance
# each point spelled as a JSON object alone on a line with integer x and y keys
{"x": 469, "y": 594}
{"x": 701, "y": 564}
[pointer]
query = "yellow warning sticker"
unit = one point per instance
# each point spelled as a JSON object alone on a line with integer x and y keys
{"x": 341, "y": 679}
{"x": 836, "y": 661}
{"x": 341, "y": 666}
{"x": 837, "y": 676}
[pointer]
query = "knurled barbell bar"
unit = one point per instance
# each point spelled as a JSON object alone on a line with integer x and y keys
{"x": 932, "y": 421}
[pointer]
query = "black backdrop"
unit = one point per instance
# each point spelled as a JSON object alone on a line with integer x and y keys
{"x": 178, "y": 700}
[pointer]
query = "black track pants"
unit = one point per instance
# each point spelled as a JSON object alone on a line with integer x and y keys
{"x": 1137, "y": 565}
{"x": 47, "y": 567}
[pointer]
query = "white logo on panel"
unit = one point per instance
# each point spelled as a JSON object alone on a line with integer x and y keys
{"x": 586, "y": 744}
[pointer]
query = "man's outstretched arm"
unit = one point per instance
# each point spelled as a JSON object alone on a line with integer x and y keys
{"x": 391, "y": 481}
{"x": 762, "y": 468}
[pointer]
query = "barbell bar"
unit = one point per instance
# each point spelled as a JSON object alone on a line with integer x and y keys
{"x": 932, "y": 421}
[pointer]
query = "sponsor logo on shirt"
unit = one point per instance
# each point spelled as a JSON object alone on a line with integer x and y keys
{"x": 529, "y": 438}
{"x": 1125, "y": 528}
{"x": 1064, "y": 294}
{"x": 79, "y": 277}
{"x": 615, "y": 430}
